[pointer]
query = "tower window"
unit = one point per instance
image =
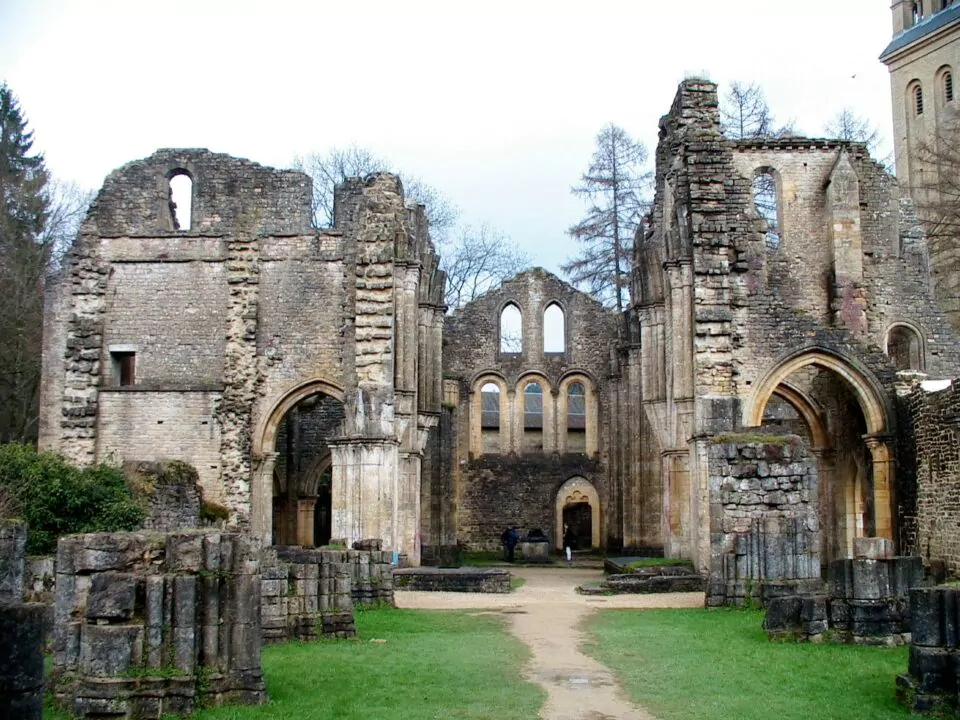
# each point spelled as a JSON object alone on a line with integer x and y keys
{"x": 918, "y": 100}
{"x": 948, "y": 86}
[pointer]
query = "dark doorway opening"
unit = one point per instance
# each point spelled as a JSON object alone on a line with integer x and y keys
{"x": 580, "y": 518}
{"x": 322, "y": 515}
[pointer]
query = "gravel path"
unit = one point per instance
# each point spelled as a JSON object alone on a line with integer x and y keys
{"x": 548, "y": 615}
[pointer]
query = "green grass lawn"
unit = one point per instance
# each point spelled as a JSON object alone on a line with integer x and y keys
{"x": 719, "y": 664}
{"x": 432, "y": 665}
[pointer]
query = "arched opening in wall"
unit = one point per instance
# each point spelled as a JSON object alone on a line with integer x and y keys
{"x": 904, "y": 347}
{"x": 578, "y": 506}
{"x": 837, "y": 409}
{"x": 511, "y": 330}
{"x": 181, "y": 200}
{"x": 917, "y": 99}
{"x": 302, "y": 500}
{"x": 766, "y": 200}
{"x": 490, "y": 418}
{"x": 946, "y": 83}
{"x": 554, "y": 330}
{"x": 576, "y": 418}
{"x": 532, "y": 418}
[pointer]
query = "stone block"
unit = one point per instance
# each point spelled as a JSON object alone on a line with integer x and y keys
{"x": 933, "y": 669}
{"x": 112, "y": 596}
{"x": 872, "y": 548}
{"x": 927, "y": 616}
{"x": 13, "y": 553}
{"x": 110, "y": 650}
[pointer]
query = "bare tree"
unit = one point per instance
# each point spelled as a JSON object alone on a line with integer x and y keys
{"x": 330, "y": 170}
{"x": 477, "y": 261}
{"x": 847, "y": 125}
{"x": 744, "y": 114}
{"x": 67, "y": 209}
{"x": 616, "y": 185}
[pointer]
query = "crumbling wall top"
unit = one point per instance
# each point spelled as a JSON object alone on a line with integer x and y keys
{"x": 227, "y": 192}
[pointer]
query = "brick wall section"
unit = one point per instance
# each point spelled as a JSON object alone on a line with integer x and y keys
{"x": 764, "y": 528}
{"x": 498, "y": 491}
{"x": 935, "y": 420}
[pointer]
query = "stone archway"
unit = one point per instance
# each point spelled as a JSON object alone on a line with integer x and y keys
{"x": 875, "y": 426}
{"x": 575, "y": 492}
{"x": 265, "y": 462}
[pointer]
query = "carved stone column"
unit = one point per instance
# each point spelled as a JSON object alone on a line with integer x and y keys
{"x": 883, "y": 489}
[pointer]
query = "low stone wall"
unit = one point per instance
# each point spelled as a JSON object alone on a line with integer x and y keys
{"x": 464, "y": 579}
{"x": 39, "y": 579}
{"x": 22, "y": 631}
{"x": 149, "y": 624}
{"x": 764, "y": 531}
{"x": 867, "y": 604}
{"x": 311, "y": 592}
{"x": 930, "y": 684}
{"x": 537, "y": 551}
{"x": 172, "y": 493}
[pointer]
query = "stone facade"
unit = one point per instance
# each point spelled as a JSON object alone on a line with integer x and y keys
{"x": 196, "y": 341}
{"x": 545, "y": 427}
{"x": 794, "y": 319}
{"x": 313, "y": 380}
{"x": 154, "y": 624}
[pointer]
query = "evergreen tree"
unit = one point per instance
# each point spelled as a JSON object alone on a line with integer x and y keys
{"x": 24, "y": 256}
{"x": 616, "y": 185}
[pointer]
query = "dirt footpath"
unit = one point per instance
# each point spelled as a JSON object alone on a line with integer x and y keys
{"x": 547, "y": 615}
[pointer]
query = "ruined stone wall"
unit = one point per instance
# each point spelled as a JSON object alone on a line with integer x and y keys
{"x": 499, "y": 491}
{"x": 722, "y": 308}
{"x": 518, "y": 483}
{"x": 310, "y": 593}
{"x": 234, "y": 315}
{"x": 154, "y": 624}
{"x": 935, "y": 422}
{"x": 764, "y": 527}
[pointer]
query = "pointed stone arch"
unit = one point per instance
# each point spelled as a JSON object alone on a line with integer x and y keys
{"x": 265, "y": 457}
{"x": 876, "y": 413}
{"x": 575, "y": 491}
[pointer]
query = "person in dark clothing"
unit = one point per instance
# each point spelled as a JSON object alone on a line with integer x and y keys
{"x": 569, "y": 542}
{"x": 510, "y": 538}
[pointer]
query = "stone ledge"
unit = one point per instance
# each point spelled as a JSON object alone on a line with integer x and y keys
{"x": 465, "y": 579}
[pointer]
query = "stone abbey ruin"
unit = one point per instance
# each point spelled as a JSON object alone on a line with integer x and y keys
{"x": 314, "y": 380}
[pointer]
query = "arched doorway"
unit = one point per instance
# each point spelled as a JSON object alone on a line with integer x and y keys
{"x": 838, "y": 408}
{"x": 578, "y": 506}
{"x": 302, "y": 470}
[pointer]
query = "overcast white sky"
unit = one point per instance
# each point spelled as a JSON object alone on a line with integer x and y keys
{"x": 494, "y": 103}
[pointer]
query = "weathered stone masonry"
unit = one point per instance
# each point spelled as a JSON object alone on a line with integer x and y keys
{"x": 235, "y": 319}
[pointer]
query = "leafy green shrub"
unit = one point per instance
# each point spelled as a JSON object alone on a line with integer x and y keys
{"x": 55, "y": 498}
{"x": 212, "y": 512}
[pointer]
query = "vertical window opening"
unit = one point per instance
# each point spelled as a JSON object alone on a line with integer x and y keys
{"x": 576, "y": 418}
{"x": 918, "y": 100}
{"x": 511, "y": 330}
{"x": 124, "y": 367}
{"x": 181, "y": 200}
{"x": 554, "y": 340}
{"x": 533, "y": 406}
{"x": 948, "y": 86}
{"x": 766, "y": 202}
{"x": 904, "y": 348}
{"x": 490, "y": 418}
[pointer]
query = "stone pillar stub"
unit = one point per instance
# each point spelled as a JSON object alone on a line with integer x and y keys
{"x": 13, "y": 553}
